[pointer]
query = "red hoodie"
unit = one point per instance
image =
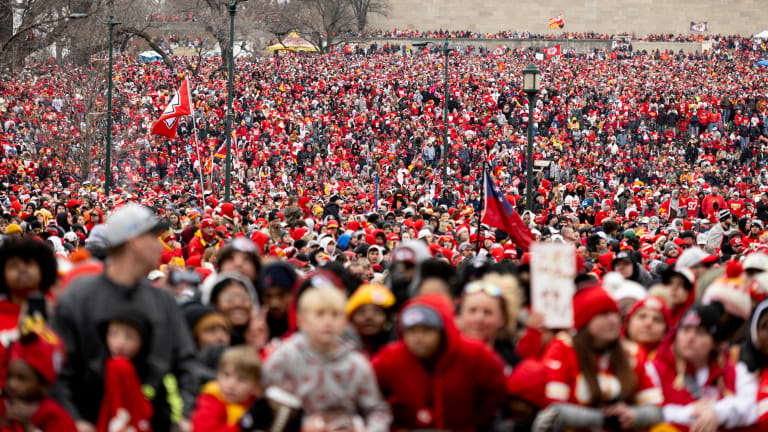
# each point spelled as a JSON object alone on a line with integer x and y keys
{"x": 461, "y": 391}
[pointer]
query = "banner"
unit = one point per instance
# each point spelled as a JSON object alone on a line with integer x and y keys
{"x": 553, "y": 51}
{"x": 553, "y": 269}
{"x": 556, "y": 22}
{"x": 699, "y": 26}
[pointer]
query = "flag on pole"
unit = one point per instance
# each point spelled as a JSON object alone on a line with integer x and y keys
{"x": 553, "y": 51}
{"x": 699, "y": 26}
{"x": 556, "y": 22}
{"x": 180, "y": 105}
{"x": 499, "y": 213}
{"x": 221, "y": 152}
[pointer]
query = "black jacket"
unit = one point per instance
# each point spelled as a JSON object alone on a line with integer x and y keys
{"x": 92, "y": 300}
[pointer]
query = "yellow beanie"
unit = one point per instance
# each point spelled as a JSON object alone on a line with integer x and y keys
{"x": 13, "y": 228}
{"x": 372, "y": 293}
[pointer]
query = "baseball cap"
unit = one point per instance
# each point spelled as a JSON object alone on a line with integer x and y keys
{"x": 421, "y": 315}
{"x": 131, "y": 221}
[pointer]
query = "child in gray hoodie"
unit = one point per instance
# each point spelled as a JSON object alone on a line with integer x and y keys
{"x": 333, "y": 381}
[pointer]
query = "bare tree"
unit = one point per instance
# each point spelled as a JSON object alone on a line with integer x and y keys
{"x": 363, "y": 8}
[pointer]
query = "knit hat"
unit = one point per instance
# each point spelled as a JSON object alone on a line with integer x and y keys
{"x": 373, "y": 293}
{"x": 730, "y": 289}
{"x": 13, "y": 228}
{"x": 651, "y": 302}
{"x": 723, "y": 214}
{"x": 420, "y": 315}
{"x": 228, "y": 210}
{"x": 42, "y": 350}
{"x": 298, "y": 233}
{"x": 756, "y": 261}
{"x": 589, "y": 303}
{"x": 528, "y": 382}
{"x": 208, "y": 222}
{"x": 277, "y": 275}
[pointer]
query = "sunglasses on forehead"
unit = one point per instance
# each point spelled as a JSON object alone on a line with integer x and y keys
{"x": 482, "y": 286}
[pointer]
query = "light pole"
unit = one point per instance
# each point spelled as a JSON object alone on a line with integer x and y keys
{"x": 531, "y": 87}
{"x": 446, "y": 51}
{"x": 108, "y": 163}
{"x": 232, "y": 8}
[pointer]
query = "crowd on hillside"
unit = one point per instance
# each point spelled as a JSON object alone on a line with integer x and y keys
{"x": 349, "y": 284}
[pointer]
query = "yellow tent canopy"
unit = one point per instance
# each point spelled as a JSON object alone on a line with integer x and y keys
{"x": 293, "y": 42}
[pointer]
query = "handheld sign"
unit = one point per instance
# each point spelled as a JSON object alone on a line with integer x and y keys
{"x": 552, "y": 287}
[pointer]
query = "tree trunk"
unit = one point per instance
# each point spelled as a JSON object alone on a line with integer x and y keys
{"x": 144, "y": 35}
{"x": 6, "y": 21}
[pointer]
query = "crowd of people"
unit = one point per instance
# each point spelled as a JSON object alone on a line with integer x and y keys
{"x": 348, "y": 283}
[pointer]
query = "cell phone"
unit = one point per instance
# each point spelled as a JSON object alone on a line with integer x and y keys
{"x": 37, "y": 307}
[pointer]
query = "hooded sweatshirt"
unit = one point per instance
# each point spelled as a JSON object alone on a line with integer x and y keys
{"x": 341, "y": 382}
{"x": 461, "y": 390}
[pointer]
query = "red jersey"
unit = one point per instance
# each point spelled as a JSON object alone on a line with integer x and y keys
{"x": 567, "y": 384}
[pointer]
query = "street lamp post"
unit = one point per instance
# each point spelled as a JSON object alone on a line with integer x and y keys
{"x": 446, "y": 51}
{"x": 531, "y": 87}
{"x": 108, "y": 163}
{"x": 232, "y": 8}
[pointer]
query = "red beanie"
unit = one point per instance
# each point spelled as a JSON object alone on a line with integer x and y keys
{"x": 43, "y": 352}
{"x": 589, "y": 303}
{"x": 528, "y": 381}
{"x": 298, "y": 233}
{"x": 228, "y": 210}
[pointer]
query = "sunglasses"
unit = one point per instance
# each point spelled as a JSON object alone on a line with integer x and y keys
{"x": 482, "y": 286}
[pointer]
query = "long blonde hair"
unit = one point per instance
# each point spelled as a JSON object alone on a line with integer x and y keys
{"x": 512, "y": 296}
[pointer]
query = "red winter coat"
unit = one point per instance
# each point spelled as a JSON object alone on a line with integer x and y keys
{"x": 461, "y": 391}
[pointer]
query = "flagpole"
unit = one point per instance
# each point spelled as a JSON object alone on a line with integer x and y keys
{"x": 482, "y": 208}
{"x": 197, "y": 150}
{"x": 377, "y": 192}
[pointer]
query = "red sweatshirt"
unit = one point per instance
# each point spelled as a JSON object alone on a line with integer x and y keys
{"x": 461, "y": 391}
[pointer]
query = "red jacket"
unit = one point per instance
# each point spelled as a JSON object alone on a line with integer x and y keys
{"x": 461, "y": 391}
{"x": 49, "y": 417}
{"x": 212, "y": 413}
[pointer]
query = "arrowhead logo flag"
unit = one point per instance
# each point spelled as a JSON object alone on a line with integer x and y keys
{"x": 699, "y": 27}
{"x": 180, "y": 106}
{"x": 553, "y": 51}
{"x": 499, "y": 213}
{"x": 556, "y": 22}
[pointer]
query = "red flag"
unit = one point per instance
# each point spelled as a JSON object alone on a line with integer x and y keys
{"x": 499, "y": 213}
{"x": 553, "y": 51}
{"x": 556, "y": 22}
{"x": 498, "y": 52}
{"x": 180, "y": 105}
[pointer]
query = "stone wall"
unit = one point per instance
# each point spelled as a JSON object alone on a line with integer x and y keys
{"x": 640, "y": 17}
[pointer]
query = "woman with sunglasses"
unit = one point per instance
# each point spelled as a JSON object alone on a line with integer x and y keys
{"x": 596, "y": 380}
{"x": 488, "y": 312}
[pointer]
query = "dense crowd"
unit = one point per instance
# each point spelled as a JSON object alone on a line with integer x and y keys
{"x": 349, "y": 283}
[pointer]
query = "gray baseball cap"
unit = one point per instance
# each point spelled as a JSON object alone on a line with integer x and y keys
{"x": 131, "y": 221}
